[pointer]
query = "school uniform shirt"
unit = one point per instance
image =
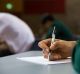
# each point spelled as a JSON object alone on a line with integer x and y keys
{"x": 76, "y": 57}
{"x": 61, "y": 31}
{"x": 16, "y": 33}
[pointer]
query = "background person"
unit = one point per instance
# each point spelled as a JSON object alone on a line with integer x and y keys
{"x": 16, "y": 33}
{"x": 61, "y": 30}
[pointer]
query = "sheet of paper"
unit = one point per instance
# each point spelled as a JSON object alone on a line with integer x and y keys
{"x": 42, "y": 60}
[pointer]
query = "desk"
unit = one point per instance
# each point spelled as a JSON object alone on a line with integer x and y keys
{"x": 11, "y": 65}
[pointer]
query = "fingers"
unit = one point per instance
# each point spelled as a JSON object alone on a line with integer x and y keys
{"x": 45, "y": 54}
{"x": 56, "y": 56}
{"x": 55, "y": 45}
{"x": 44, "y": 44}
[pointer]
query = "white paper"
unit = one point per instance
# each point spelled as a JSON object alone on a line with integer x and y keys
{"x": 42, "y": 60}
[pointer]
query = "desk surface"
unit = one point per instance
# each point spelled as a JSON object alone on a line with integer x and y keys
{"x": 10, "y": 65}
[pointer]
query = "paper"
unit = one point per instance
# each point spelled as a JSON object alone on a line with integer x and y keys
{"x": 42, "y": 60}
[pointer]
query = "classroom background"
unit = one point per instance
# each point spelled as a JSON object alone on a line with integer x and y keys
{"x": 31, "y": 11}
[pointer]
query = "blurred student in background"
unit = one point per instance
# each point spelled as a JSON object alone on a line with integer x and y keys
{"x": 15, "y": 33}
{"x": 61, "y": 30}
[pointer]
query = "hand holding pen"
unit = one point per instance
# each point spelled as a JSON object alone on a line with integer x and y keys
{"x": 60, "y": 49}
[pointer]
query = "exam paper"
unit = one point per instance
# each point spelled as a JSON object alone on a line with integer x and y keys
{"x": 42, "y": 60}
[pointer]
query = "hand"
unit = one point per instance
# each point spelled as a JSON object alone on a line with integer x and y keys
{"x": 61, "y": 49}
{"x": 45, "y": 45}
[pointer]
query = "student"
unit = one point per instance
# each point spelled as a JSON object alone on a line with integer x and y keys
{"x": 61, "y": 50}
{"x": 16, "y": 33}
{"x": 61, "y": 30}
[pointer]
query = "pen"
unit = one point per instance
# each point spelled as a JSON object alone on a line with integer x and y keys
{"x": 52, "y": 41}
{"x": 53, "y": 36}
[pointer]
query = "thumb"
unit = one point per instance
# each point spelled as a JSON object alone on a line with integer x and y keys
{"x": 55, "y": 45}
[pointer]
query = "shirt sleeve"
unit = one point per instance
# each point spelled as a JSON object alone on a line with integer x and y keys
{"x": 76, "y": 57}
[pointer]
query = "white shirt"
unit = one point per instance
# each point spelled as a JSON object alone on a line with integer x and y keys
{"x": 15, "y": 32}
